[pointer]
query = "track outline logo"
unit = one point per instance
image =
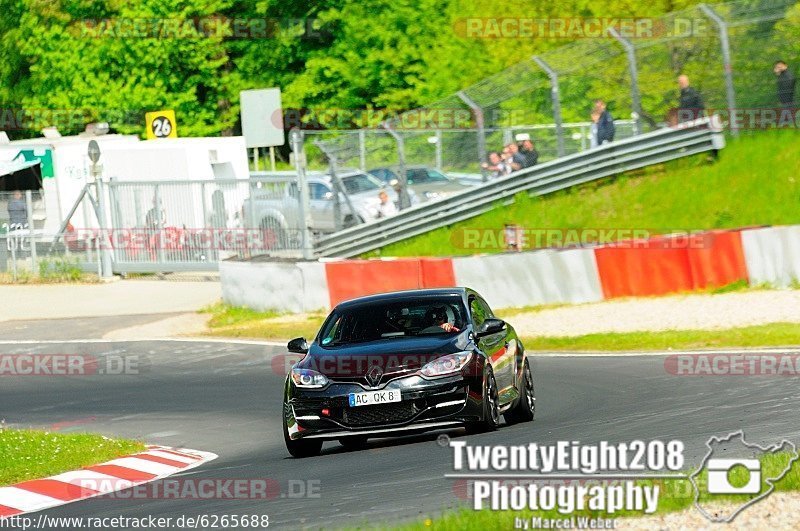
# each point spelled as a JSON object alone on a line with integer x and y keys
{"x": 769, "y": 481}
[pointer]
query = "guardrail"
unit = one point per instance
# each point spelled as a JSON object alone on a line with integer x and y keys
{"x": 659, "y": 146}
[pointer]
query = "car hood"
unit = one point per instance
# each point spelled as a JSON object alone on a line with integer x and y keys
{"x": 394, "y": 356}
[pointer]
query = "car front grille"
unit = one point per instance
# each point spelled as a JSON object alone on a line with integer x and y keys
{"x": 379, "y": 414}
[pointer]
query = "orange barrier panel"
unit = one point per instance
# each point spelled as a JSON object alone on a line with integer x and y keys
{"x": 642, "y": 268}
{"x": 719, "y": 261}
{"x": 437, "y": 273}
{"x": 664, "y": 265}
{"x": 355, "y": 278}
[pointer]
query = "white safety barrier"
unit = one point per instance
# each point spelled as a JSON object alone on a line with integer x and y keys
{"x": 279, "y": 286}
{"x": 772, "y": 255}
{"x": 531, "y": 278}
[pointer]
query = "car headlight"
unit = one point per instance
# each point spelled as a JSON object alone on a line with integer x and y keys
{"x": 308, "y": 378}
{"x": 448, "y": 364}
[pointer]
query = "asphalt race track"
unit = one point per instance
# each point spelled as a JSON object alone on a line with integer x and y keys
{"x": 226, "y": 398}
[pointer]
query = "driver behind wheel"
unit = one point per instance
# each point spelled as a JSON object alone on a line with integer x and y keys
{"x": 437, "y": 317}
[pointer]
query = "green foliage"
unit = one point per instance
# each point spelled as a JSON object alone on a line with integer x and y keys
{"x": 110, "y": 61}
{"x": 60, "y": 268}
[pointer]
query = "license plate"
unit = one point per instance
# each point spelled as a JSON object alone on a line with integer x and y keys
{"x": 373, "y": 397}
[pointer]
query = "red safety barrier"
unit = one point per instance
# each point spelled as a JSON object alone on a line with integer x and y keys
{"x": 355, "y": 278}
{"x": 665, "y": 264}
{"x": 720, "y": 261}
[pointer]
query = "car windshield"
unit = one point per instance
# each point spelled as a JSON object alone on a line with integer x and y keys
{"x": 395, "y": 319}
{"x": 426, "y": 176}
{"x": 360, "y": 182}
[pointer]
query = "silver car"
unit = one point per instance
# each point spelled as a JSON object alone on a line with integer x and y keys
{"x": 279, "y": 215}
{"x": 427, "y": 184}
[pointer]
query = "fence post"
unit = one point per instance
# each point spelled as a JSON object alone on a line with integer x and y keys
{"x": 302, "y": 183}
{"x": 479, "y": 123}
{"x": 439, "y": 139}
{"x": 554, "y": 93}
{"x": 159, "y": 225}
{"x": 102, "y": 220}
{"x": 726, "y": 58}
{"x": 362, "y": 150}
{"x": 402, "y": 178}
{"x": 31, "y": 231}
{"x": 636, "y": 99}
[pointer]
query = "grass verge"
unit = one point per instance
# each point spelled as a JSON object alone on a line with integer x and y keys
{"x": 31, "y": 454}
{"x": 754, "y": 182}
{"x": 674, "y": 495}
{"x": 232, "y": 321}
{"x": 766, "y": 335}
{"x": 229, "y": 321}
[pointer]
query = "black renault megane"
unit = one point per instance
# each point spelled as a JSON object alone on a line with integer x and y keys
{"x": 402, "y": 362}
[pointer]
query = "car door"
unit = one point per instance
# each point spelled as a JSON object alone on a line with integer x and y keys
{"x": 497, "y": 348}
{"x": 321, "y": 206}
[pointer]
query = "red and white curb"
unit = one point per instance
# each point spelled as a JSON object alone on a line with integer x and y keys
{"x": 122, "y": 473}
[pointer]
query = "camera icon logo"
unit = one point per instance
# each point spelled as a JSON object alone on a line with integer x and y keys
{"x": 719, "y": 472}
{"x": 733, "y": 466}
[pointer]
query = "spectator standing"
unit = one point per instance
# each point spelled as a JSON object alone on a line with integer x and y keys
{"x": 786, "y": 84}
{"x": 496, "y": 165}
{"x": 386, "y": 207}
{"x": 17, "y": 211}
{"x": 593, "y": 143}
{"x": 508, "y": 160}
{"x": 517, "y": 159}
{"x": 605, "y": 123}
{"x": 690, "y": 103}
{"x": 529, "y": 153}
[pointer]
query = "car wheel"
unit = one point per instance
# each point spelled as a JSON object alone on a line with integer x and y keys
{"x": 355, "y": 442}
{"x": 301, "y": 447}
{"x": 525, "y": 408}
{"x": 491, "y": 406}
{"x": 274, "y": 235}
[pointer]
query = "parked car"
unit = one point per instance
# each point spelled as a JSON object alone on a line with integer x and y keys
{"x": 427, "y": 183}
{"x": 405, "y": 362}
{"x": 277, "y": 211}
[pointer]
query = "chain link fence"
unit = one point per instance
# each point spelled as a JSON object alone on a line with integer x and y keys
{"x": 727, "y": 51}
{"x": 27, "y": 251}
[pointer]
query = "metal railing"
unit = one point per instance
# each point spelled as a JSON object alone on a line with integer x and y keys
{"x": 652, "y": 148}
{"x": 448, "y": 150}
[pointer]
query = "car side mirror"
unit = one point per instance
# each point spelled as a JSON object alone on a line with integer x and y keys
{"x": 298, "y": 345}
{"x": 490, "y": 326}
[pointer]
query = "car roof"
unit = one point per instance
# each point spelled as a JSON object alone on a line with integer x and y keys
{"x": 404, "y": 295}
{"x": 325, "y": 177}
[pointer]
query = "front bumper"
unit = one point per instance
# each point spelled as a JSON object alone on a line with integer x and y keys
{"x": 426, "y": 404}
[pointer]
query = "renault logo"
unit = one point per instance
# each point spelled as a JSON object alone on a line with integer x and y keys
{"x": 374, "y": 375}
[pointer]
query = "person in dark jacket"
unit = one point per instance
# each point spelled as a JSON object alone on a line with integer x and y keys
{"x": 528, "y": 151}
{"x": 17, "y": 211}
{"x": 690, "y": 104}
{"x": 786, "y": 83}
{"x": 605, "y": 123}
